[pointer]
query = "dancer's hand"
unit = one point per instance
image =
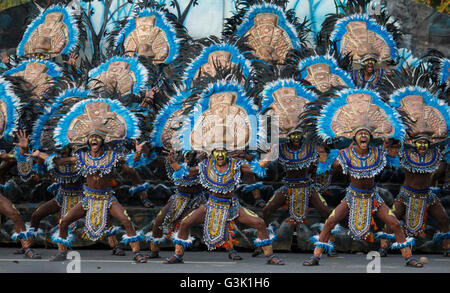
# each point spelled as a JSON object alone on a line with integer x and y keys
{"x": 35, "y": 154}
{"x": 72, "y": 59}
{"x": 139, "y": 147}
{"x": 23, "y": 139}
{"x": 5, "y": 58}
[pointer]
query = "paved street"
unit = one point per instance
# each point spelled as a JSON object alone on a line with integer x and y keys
{"x": 101, "y": 261}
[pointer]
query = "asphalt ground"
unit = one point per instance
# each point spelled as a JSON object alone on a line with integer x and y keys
{"x": 102, "y": 261}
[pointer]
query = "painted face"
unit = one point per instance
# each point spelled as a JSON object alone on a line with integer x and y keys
{"x": 220, "y": 156}
{"x": 422, "y": 146}
{"x": 369, "y": 65}
{"x": 362, "y": 139}
{"x": 95, "y": 142}
{"x": 295, "y": 137}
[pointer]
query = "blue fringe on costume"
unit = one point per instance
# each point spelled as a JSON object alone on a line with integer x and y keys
{"x": 410, "y": 241}
{"x": 49, "y": 161}
{"x": 259, "y": 243}
{"x": 182, "y": 172}
{"x": 438, "y": 237}
{"x": 327, "y": 247}
{"x": 323, "y": 167}
{"x": 393, "y": 162}
{"x": 130, "y": 239}
{"x": 53, "y": 189}
{"x": 251, "y": 187}
{"x": 66, "y": 242}
{"x": 112, "y": 231}
{"x": 383, "y": 235}
{"x": 139, "y": 188}
{"x": 185, "y": 243}
{"x": 53, "y": 69}
{"x": 143, "y": 161}
{"x": 6, "y": 187}
{"x": 257, "y": 169}
{"x": 157, "y": 241}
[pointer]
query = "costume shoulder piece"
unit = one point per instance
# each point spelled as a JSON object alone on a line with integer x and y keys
{"x": 53, "y": 32}
{"x": 223, "y": 55}
{"x": 220, "y": 182}
{"x": 426, "y": 115}
{"x": 104, "y": 117}
{"x": 9, "y": 110}
{"x": 86, "y": 164}
{"x": 169, "y": 121}
{"x": 362, "y": 166}
{"x": 416, "y": 163}
{"x": 297, "y": 159}
{"x": 285, "y": 98}
{"x": 363, "y": 38}
{"x": 42, "y": 135}
{"x": 270, "y": 32}
{"x": 122, "y": 74}
{"x": 323, "y": 73}
{"x": 150, "y": 34}
{"x": 39, "y": 75}
{"x": 225, "y": 118}
{"x": 355, "y": 109}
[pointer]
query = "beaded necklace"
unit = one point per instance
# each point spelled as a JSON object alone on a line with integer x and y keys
{"x": 362, "y": 166}
{"x": 220, "y": 182}
{"x": 297, "y": 159}
{"x": 86, "y": 164}
{"x": 415, "y": 163}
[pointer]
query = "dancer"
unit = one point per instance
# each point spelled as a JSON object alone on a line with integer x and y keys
{"x": 360, "y": 115}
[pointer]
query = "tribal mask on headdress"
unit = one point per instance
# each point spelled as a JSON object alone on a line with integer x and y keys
{"x": 427, "y": 117}
{"x": 52, "y": 33}
{"x": 123, "y": 74}
{"x": 38, "y": 74}
{"x": 150, "y": 34}
{"x": 270, "y": 34}
{"x": 323, "y": 73}
{"x": 104, "y": 117}
{"x": 364, "y": 39}
{"x": 285, "y": 98}
{"x": 9, "y": 110}
{"x": 356, "y": 109}
{"x": 42, "y": 135}
{"x": 223, "y": 118}
{"x": 223, "y": 55}
{"x": 169, "y": 121}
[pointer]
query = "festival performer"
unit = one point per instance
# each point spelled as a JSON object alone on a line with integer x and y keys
{"x": 286, "y": 99}
{"x": 10, "y": 108}
{"x": 360, "y": 115}
{"x": 421, "y": 160}
{"x": 100, "y": 125}
{"x": 224, "y": 120}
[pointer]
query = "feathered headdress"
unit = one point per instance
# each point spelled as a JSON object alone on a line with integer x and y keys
{"x": 104, "y": 117}
{"x": 223, "y": 118}
{"x": 356, "y": 109}
{"x": 123, "y": 74}
{"x": 53, "y": 32}
{"x": 270, "y": 31}
{"x": 323, "y": 73}
{"x": 9, "y": 110}
{"x": 285, "y": 98}
{"x": 427, "y": 116}
{"x": 150, "y": 34}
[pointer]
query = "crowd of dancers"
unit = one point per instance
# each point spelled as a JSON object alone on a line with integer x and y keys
{"x": 215, "y": 111}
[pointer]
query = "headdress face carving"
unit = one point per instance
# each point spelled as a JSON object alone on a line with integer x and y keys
{"x": 147, "y": 40}
{"x": 52, "y": 33}
{"x": 427, "y": 116}
{"x": 216, "y": 58}
{"x": 356, "y": 109}
{"x": 286, "y": 98}
{"x": 118, "y": 76}
{"x": 364, "y": 39}
{"x": 169, "y": 138}
{"x": 322, "y": 72}
{"x": 224, "y": 125}
{"x": 36, "y": 77}
{"x": 97, "y": 119}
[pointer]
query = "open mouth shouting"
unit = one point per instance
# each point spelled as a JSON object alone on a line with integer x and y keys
{"x": 363, "y": 139}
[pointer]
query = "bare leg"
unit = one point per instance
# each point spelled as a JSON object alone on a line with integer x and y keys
{"x": 398, "y": 209}
{"x": 277, "y": 201}
{"x": 49, "y": 208}
{"x": 157, "y": 232}
{"x": 437, "y": 211}
{"x": 251, "y": 219}
{"x": 319, "y": 205}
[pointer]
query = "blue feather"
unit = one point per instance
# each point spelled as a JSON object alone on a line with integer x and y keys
{"x": 11, "y": 101}
{"x": 331, "y": 62}
{"x": 326, "y": 166}
{"x": 340, "y": 30}
{"x": 282, "y": 22}
{"x": 161, "y": 22}
{"x": 69, "y": 20}
{"x": 140, "y": 72}
{"x": 53, "y": 69}
{"x": 132, "y": 122}
{"x": 443, "y": 74}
